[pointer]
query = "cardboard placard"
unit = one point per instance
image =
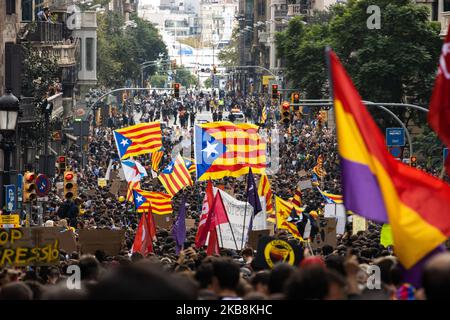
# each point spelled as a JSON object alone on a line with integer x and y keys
{"x": 254, "y": 236}
{"x": 271, "y": 251}
{"x": 305, "y": 184}
{"x": 115, "y": 187}
{"x": 38, "y": 246}
{"x": 12, "y": 219}
{"x": 163, "y": 221}
{"x": 326, "y": 234}
{"x": 359, "y": 224}
{"x": 302, "y": 173}
{"x": 109, "y": 241}
{"x": 123, "y": 188}
{"x": 190, "y": 223}
{"x": 101, "y": 182}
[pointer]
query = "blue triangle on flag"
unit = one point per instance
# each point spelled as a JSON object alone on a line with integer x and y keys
{"x": 207, "y": 150}
{"x": 169, "y": 168}
{"x": 122, "y": 143}
{"x": 138, "y": 199}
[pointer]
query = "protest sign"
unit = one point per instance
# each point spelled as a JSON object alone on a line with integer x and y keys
{"x": 236, "y": 211}
{"x": 190, "y": 224}
{"x": 254, "y": 236}
{"x": 271, "y": 251}
{"x": 115, "y": 186}
{"x": 359, "y": 224}
{"x": 326, "y": 234}
{"x": 123, "y": 188}
{"x": 101, "y": 182}
{"x": 336, "y": 211}
{"x": 164, "y": 221}
{"x": 109, "y": 241}
{"x": 302, "y": 173}
{"x": 38, "y": 246}
{"x": 305, "y": 184}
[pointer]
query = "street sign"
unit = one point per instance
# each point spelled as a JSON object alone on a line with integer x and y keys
{"x": 9, "y": 221}
{"x": 19, "y": 188}
{"x": 43, "y": 185}
{"x": 445, "y": 153}
{"x": 396, "y": 151}
{"x": 395, "y": 137}
{"x": 10, "y": 196}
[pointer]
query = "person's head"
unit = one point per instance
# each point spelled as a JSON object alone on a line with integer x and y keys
{"x": 16, "y": 291}
{"x": 260, "y": 282}
{"x": 436, "y": 277}
{"x": 226, "y": 273}
{"x": 278, "y": 277}
{"x": 204, "y": 275}
{"x": 89, "y": 267}
{"x": 46, "y": 10}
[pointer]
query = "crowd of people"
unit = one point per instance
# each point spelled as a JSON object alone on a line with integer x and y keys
{"x": 341, "y": 272}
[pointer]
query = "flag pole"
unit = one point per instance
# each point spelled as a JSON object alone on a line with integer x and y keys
{"x": 220, "y": 235}
{"x": 245, "y": 213}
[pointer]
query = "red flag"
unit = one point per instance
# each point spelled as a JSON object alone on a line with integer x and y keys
{"x": 213, "y": 244}
{"x": 143, "y": 238}
{"x": 202, "y": 232}
{"x": 439, "y": 114}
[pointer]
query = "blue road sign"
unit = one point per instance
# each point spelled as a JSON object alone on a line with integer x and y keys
{"x": 445, "y": 153}
{"x": 19, "y": 188}
{"x": 395, "y": 137}
{"x": 10, "y": 196}
{"x": 43, "y": 185}
{"x": 396, "y": 151}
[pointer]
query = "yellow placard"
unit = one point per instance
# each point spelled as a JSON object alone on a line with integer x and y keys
{"x": 359, "y": 224}
{"x": 102, "y": 182}
{"x": 266, "y": 80}
{"x": 12, "y": 219}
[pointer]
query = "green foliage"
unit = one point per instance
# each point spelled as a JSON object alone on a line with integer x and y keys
{"x": 429, "y": 147}
{"x": 207, "y": 83}
{"x": 39, "y": 72}
{"x": 120, "y": 52}
{"x": 229, "y": 55}
{"x": 396, "y": 63}
{"x": 158, "y": 81}
{"x": 186, "y": 78}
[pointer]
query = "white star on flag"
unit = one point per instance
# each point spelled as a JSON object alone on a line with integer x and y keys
{"x": 169, "y": 167}
{"x": 124, "y": 142}
{"x": 139, "y": 198}
{"x": 210, "y": 148}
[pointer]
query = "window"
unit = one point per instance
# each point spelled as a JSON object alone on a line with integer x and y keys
{"x": 89, "y": 54}
{"x": 446, "y": 5}
{"x": 38, "y": 6}
{"x": 27, "y": 10}
{"x": 10, "y": 6}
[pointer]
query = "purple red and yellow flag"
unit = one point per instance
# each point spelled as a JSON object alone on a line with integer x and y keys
{"x": 380, "y": 188}
{"x": 139, "y": 139}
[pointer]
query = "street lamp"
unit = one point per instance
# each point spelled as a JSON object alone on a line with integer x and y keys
{"x": 9, "y": 112}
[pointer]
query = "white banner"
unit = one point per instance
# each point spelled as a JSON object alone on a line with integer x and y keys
{"x": 260, "y": 220}
{"x": 236, "y": 212}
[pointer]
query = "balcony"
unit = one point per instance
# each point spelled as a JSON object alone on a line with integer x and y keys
{"x": 263, "y": 36}
{"x": 296, "y": 10}
{"x": 45, "y": 32}
{"x": 280, "y": 13}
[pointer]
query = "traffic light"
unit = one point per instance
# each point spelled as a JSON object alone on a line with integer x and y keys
{"x": 413, "y": 161}
{"x": 70, "y": 185}
{"x": 295, "y": 98}
{"x": 29, "y": 187}
{"x": 274, "y": 91}
{"x": 176, "y": 90}
{"x": 285, "y": 113}
{"x": 61, "y": 164}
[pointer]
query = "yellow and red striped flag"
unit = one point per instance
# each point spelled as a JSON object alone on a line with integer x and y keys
{"x": 139, "y": 139}
{"x": 225, "y": 149}
{"x": 190, "y": 165}
{"x": 156, "y": 159}
{"x": 283, "y": 211}
{"x": 175, "y": 176}
{"x": 131, "y": 186}
{"x": 318, "y": 170}
{"x": 297, "y": 201}
{"x": 265, "y": 191}
{"x": 158, "y": 202}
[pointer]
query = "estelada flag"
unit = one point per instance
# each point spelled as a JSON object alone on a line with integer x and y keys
{"x": 158, "y": 202}
{"x": 139, "y": 139}
{"x": 377, "y": 186}
{"x": 225, "y": 149}
{"x": 175, "y": 176}
{"x": 439, "y": 114}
